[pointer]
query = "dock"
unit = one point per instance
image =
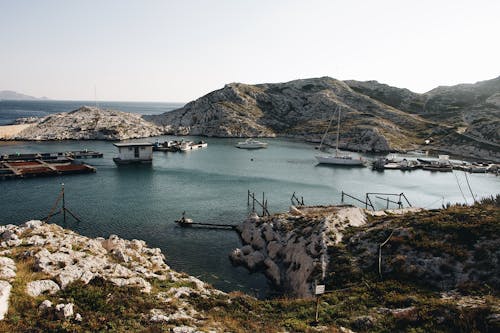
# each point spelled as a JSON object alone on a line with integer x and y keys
{"x": 75, "y": 154}
{"x": 188, "y": 223}
{"x": 15, "y": 166}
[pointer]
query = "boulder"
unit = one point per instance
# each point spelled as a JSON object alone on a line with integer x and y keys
{"x": 7, "y": 268}
{"x": 64, "y": 311}
{"x": 45, "y": 305}
{"x": 5, "y": 289}
{"x": 38, "y": 287}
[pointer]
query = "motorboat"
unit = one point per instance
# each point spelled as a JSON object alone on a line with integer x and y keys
{"x": 190, "y": 145}
{"x": 251, "y": 144}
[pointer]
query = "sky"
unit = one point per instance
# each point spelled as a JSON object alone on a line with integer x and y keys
{"x": 177, "y": 51}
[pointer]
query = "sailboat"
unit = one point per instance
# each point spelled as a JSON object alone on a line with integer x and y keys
{"x": 338, "y": 158}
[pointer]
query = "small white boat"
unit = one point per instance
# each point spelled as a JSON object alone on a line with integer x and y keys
{"x": 339, "y": 160}
{"x": 189, "y": 145}
{"x": 251, "y": 144}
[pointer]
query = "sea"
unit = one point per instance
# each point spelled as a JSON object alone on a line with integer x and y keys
{"x": 210, "y": 185}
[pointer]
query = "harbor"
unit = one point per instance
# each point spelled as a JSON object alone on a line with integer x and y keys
{"x": 211, "y": 184}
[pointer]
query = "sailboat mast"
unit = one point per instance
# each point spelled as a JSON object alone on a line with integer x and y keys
{"x": 338, "y": 134}
{"x": 327, "y": 129}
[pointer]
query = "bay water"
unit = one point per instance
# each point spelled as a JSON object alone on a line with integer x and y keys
{"x": 211, "y": 186}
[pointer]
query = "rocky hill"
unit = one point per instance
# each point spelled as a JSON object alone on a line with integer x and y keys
{"x": 89, "y": 123}
{"x": 375, "y": 117}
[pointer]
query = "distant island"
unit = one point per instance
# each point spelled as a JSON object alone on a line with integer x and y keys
{"x": 463, "y": 119}
{"x": 15, "y": 96}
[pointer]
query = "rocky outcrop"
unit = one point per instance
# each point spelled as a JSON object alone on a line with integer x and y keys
{"x": 89, "y": 123}
{"x": 291, "y": 248}
{"x": 64, "y": 258}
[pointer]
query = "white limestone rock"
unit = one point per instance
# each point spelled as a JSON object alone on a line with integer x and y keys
{"x": 38, "y": 287}
{"x": 33, "y": 224}
{"x": 89, "y": 123}
{"x": 133, "y": 282}
{"x": 5, "y": 289}
{"x": 7, "y": 268}
{"x": 45, "y": 306}
{"x": 64, "y": 311}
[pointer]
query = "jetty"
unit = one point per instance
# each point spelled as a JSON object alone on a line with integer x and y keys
{"x": 188, "y": 223}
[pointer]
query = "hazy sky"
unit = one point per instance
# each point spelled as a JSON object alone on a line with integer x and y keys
{"x": 179, "y": 50}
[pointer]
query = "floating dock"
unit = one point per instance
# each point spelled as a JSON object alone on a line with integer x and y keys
{"x": 16, "y": 166}
{"x": 76, "y": 154}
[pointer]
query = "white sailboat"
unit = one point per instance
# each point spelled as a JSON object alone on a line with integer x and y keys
{"x": 338, "y": 158}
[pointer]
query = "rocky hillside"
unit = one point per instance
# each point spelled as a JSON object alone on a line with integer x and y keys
{"x": 375, "y": 117}
{"x": 471, "y": 109}
{"x": 404, "y": 266}
{"x": 89, "y": 123}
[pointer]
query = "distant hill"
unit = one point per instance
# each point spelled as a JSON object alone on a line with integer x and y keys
{"x": 15, "y": 96}
{"x": 462, "y": 119}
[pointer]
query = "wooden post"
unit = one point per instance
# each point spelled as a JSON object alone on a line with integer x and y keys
{"x": 317, "y": 308}
{"x": 387, "y": 203}
{"x": 366, "y": 201}
{"x": 263, "y": 207}
{"x": 63, "y": 204}
{"x": 248, "y": 198}
{"x": 342, "y": 200}
{"x": 253, "y": 202}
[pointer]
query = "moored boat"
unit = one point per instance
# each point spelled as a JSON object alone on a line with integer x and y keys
{"x": 339, "y": 158}
{"x": 251, "y": 144}
{"x": 189, "y": 145}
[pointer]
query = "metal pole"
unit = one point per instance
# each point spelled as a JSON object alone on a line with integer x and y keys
{"x": 63, "y": 204}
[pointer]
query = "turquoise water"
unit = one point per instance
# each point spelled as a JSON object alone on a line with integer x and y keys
{"x": 211, "y": 186}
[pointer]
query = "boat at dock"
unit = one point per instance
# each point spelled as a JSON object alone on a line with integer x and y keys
{"x": 443, "y": 164}
{"x": 393, "y": 164}
{"x": 169, "y": 146}
{"x": 251, "y": 144}
{"x": 190, "y": 145}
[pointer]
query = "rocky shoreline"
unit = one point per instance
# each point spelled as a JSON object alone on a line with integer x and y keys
{"x": 58, "y": 258}
{"x": 437, "y": 271}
